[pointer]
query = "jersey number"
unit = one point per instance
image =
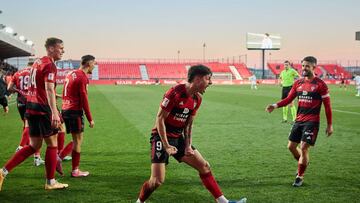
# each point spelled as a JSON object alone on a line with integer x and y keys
{"x": 158, "y": 146}
{"x": 24, "y": 82}
{"x": 66, "y": 86}
{"x": 33, "y": 78}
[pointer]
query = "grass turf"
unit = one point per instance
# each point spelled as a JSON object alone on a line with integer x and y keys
{"x": 245, "y": 146}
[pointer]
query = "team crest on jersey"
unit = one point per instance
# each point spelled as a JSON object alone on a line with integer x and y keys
{"x": 158, "y": 154}
{"x": 186, "y": 111}
{"x": 181, "y": 103}
{"x": 304, "y": 93}
{"x": 312, "y": 88}
{"x": 51, "y": 76}
{"x": 165, "y": 102}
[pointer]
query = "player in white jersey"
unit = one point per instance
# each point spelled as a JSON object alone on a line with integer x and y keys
{"x": 357, "y": 84}
{"x": 252, "y": 80}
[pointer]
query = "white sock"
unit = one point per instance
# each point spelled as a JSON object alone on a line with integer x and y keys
{"x": 139, "y": 201}
{"x": 4, "y": 171}
{"x": 222, "y": 199}
{"x": 51, "y": 181}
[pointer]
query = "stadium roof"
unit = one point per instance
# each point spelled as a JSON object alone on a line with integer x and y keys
{"x": 12, "y": 47}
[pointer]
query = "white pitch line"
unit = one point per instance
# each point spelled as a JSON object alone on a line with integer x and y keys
{"x": 349, "y": 112}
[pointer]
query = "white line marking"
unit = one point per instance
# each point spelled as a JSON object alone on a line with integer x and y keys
{"x": 349, "y": 112}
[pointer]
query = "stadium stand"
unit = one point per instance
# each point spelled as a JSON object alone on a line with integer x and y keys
{"x": 118, "y": 70}
{"x": 322, "y": 70}
{"x": 335, "y": 70}
{"x": 13, "y": 47}
{"x": 161, "y": 70}
{"x": 218, "y": 67}
{"x": 166, "y": 70}
{"x": 243, "y": 70}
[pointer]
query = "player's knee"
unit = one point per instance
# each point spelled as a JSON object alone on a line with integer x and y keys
{"x": 205, "y": 168}
{"x": 291, "y": 147}
{"x": 304, "y": 149}
{"x": 36, "y": 146}
{"x": 76, "y": 144}
{"x": 156, "y": 182}
{"x": 159, "y": 182}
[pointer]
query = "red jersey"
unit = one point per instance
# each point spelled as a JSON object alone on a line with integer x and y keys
{"x": 75, "y": 98}
{"x": 43, "y": 70}
{"x": 21, "y": 80}
{"x": 180, "y": 106}
{"x": 310, "y": 95}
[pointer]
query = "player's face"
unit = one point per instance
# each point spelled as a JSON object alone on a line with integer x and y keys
{"x": 92, "y": 64}
{"x": 286, "y": 65}
{"x": 56, "y": 51}
{"x": 203, "y": 82}
{"x": 307, "y": 69}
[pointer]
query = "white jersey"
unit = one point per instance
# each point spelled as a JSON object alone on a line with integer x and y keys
{"x": 357, "y": 80}
{"x": 252, "y": 79}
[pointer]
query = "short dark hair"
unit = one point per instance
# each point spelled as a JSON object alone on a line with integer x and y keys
{"x": 196, "y": 70}
{"x": 52, "y": 41}
{"x": 310, "y": 59}
{"x": 287, "y": 61}
{"x": 86, "y": 58}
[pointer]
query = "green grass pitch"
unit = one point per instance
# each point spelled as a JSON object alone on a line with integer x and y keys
{"x": 246, "y": 148}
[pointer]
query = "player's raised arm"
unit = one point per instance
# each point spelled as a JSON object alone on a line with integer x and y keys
{"x": 160, "y": 125}
{"x": 284, "y": 102}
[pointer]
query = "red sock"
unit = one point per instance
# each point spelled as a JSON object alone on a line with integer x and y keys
{"x": 66, "y": 151}
{"x": 37, "y": 153}
{"x": 210, "y": 183}
{"x": 25, "y": 137}
{"x": 50, "y": 162}
{"x": 301, "y": 169}
{"x": 60, "y": 140}
{"x": 75, "y": 159}
{"x": 145, "y": 191}
{"x": 19, "y": 157}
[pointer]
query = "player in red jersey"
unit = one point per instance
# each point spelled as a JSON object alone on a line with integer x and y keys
{"x": 171, "y": 135}
{"x": 342, "y": 81}
{"x": 75, "y": 102}
{"x": 311, "y": 92}
{"x": 19, "y": 84}
{"x": 42, "y": 114}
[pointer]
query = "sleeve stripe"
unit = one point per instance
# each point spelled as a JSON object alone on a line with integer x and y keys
{"x": 326, "y": 95}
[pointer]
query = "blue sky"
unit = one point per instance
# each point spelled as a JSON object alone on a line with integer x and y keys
{"x": 158, "y": 28}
